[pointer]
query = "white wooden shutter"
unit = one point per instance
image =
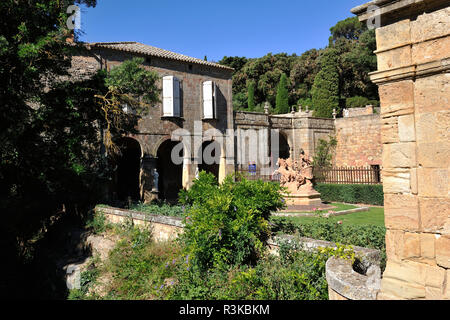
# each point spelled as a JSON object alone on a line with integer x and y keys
{"x": 171, "y": 97}
{"x": 168, "y": 96}
{"x": 209, "y": 107}
{"x": 176, "y": 98}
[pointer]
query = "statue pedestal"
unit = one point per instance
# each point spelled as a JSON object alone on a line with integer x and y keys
{"x": 150, "y": 196}
{"x": 309, "y": 198}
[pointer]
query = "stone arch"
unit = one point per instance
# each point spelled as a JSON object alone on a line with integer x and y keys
{"x": 284, "y": 146}
{"x": 155, "y": 147}
{"x": 170, "y": 180}
{"x": 128, "y": 170}
{"x": 210, "y": 154}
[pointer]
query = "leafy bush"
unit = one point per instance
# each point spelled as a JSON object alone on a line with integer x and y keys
{"x": 351, "y": 193}
{"x": 360, "y": 102}
{"x": 301, "y": 277}
{"x": 367, "y": 236}
{"x": 97, "y": 222}
{"x": 161, "y": 209}
{"x": 227, "y": 224}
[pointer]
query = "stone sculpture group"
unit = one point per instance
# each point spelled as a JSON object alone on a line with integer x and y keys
{"x": 296, "y": 177}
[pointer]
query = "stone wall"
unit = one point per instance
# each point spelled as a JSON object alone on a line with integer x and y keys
{"x": 301, "y": 130}
{"x": 153, "y": 129}
{"x": 359, "y": 141}
{"x": 413, "y": 49}
{"x": 163, "y": 228}
{"x": 359, "y": 137}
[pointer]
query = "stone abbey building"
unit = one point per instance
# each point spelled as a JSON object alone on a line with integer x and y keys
{"x": 196, "y": 104}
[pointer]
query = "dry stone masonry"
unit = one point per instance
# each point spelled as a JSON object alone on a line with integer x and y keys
{"x": 413, "y": 50}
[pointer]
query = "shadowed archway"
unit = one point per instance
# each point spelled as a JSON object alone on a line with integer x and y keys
{"x": 210, "y": 153}
{"x": 128, "y": 169}
{"x": 284, "y": 149}
{"x": 170, "y": 174}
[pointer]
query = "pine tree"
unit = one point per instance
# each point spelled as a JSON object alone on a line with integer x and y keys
{"x": 282, "y": 99}
{"x": 251, "y": 96}
{"x": 325, "y": 91}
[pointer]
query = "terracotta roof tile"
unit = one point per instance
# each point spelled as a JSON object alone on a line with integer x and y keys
{"x": 140, "y": 48}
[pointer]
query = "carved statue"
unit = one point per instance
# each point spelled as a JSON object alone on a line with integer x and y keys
{"x": 296, "y": 176}
{"x": 155, "y": 180}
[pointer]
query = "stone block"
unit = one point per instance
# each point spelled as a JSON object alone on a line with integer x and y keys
{"x": 413, "y": 181}
{"x": 432, "y": 94}
{"x": 433, "y": 154}
{"x": 395, "y": 58}
{"x": 431, "y": 50}
{"x": 406, "y": 128}
{"x": 432, "y": 293}
{"x": 389, "y": 130}
{"x": 435, "y": 215}
{"x": 432, "y": 182}
{"x": 430, "y": 25}
{"x": 396, "y": 181}
{"x": 384, "y": 296}
{"x": 427, "y": 250}
{"x": 401, "y": 211}
{"x": 443, "y": 251}
{"x": 407, "y": 271}
{"x": 447, "y": 286}
{"x": 435, "y": 277}
{"x": 397, "y": 98}
{"x": 393, "y": 35}
{"x": 394, "y": 244}
{"x": 399, "y": 155}
{"x": 411, "y": 247}
{"x": 401, "y": 289}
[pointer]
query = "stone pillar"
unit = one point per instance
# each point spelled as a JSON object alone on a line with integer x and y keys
{"x": 413, "y": 50}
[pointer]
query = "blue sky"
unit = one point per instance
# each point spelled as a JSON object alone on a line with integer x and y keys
{"x": 217, "y": 28}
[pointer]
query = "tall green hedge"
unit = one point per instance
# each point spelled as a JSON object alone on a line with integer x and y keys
{"x": 351, "y": 193}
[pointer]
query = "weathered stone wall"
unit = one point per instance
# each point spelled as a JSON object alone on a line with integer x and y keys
{"x": 359, "y": 137}
{"x": 413, "y": 49}
{"x": 301, "y": 131}
{"x": 359, "y": 141}
{"x": 163, "y": 228}
{"x": 155, "y": 129}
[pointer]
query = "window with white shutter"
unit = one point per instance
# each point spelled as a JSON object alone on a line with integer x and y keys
{"x": 209, "y": 100}
{"x": 171, "y": 97}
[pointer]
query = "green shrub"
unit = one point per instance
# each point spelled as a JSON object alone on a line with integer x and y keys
{"x": 161, "y": 209}
{"x": 97, "y": 222}
{"x": 228, "y": 224}
{"x": 367, "y": 236}
{"x": 351, "y": 193}
{"x": 272, "y": 278}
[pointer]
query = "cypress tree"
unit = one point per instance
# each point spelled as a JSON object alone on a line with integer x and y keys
{"x": 251, "y": 96}
{"x": 282, "y": 99}
{"x": 325, "y": 91}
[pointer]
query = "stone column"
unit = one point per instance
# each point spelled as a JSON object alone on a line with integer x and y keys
{"x": 413, "y": 50}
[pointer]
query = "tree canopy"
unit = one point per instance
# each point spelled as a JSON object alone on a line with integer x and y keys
{"x": 354, "y": 45}
{"x": 52, "y": 159}
{"x": 282, "y": 100}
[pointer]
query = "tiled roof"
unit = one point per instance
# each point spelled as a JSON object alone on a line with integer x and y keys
{"x": 136, "y": 47}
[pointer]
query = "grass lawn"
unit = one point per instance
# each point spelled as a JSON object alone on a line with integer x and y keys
{"x": 375, "y": 216}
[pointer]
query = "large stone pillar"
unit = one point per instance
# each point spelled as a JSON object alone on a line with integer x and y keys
{"x": 413, "y": 50}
